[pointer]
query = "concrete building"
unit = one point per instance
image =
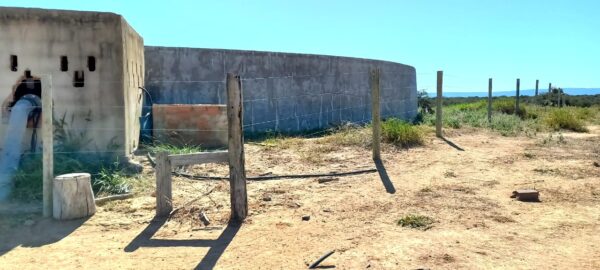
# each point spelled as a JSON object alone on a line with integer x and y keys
{"x": 96, "y": 64}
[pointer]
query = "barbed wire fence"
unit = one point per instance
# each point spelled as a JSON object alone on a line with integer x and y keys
{"x": 86, "y": 128}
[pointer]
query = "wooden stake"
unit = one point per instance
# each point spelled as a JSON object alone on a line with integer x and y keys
{"x": 537, "y": 86}
{"x": 164, "y": 196}
{"x": 237, "y": 172}
{"x": 376, "y": 112}
{"x": 489, "y": 108}
{"x": 549, "y": 87}
{"x": 438, "y": 110}
{"x": 517, "y": 97}
{"x": 48, "y": 145}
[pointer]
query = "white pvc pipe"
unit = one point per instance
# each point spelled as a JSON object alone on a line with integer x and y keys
{"x": 13, "y": 142}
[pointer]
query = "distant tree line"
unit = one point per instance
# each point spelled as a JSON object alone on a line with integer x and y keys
{"x": 544, "y": 99}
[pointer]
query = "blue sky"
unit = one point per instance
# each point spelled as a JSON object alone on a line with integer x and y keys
{"x": 554, "y": 41}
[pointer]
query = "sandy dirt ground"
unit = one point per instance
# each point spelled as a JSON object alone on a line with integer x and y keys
{"x": 464, "y": 188}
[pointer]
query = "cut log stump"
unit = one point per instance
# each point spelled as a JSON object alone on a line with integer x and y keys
{"x": 73, "y": 196}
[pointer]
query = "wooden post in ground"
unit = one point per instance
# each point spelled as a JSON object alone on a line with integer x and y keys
{"x": 237, "y": 171}
{"x": 438, "y": 108}
{"x": 48, "y": 145}
{"x": 550, "y": 88}
{"x": 537, "y": 86}
{"x": 376, "y": 112}
{"x": 517, "y": 97}
{"x": 164, "y": 196}
{"x": 559, "y": 96}
{"x": 489, "y": 107}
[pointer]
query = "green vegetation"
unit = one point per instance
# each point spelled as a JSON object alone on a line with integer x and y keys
{"x": 174, "y": 149}
{"x": 416, "y": 222}
{"x": 533, "y": 116}
{"x": 507, "y": 106}
{"x": 350, "y": 135}
{"x": 401, "y": 133}
{"x": 109, "y": 176}
{"x": 565, "y": 119}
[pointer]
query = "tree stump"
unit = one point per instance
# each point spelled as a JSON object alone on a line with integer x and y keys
{"x": 73, "y": 196}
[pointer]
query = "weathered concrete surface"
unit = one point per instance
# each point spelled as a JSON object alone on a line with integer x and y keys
{"x": 198, "y": 124}
{"x": 282, "y": 91}
{"x": 107, "y": 108}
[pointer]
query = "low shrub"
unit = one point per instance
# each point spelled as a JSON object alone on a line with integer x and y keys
{"x": 564, "y": 119}
{"x": 351, "y": 135}
{"x": 507, "y": 106}
{"x": 507, "y": 125}
{"x": 416, "y": 222}
{"x": 401, "y": 133}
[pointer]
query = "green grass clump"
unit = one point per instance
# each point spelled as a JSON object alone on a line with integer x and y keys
{"x": 401, "y": 133}
{"x": 174, "y": 149}
{"x": 564, "y": 119}
{"x": 349, "y": 135}
{"x": 416, "y": 222}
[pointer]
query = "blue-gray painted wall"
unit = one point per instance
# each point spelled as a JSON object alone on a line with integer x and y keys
{"x": 281, "y": 91}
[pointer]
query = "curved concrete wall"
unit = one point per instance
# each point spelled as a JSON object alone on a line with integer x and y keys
{"x": 281, "y": 91}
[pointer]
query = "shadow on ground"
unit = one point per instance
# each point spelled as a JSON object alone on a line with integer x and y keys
{"x": 455, "y": 146}
{"x": 217, "y": 246}
{"x": 385, "y": 179}
{"x": 31, "y": 230}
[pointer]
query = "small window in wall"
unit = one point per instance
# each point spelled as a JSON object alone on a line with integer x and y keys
{"x": 14, "y": 63}
{"x": 92, "y": 63}
{"x": 64, "y": 63}
{"x": 78, "y": 79}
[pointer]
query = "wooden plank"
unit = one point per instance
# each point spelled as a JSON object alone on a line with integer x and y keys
{"x": 48, "y": 145}
{"x": 489, "y": 107}
{"x": 517, "y": 97}
{"x": 438, "y": 108}
{"x": 237, "y": 171}
{"x": 164, "y": 197}
{"x": 199, "y": 158}
{"x": 376, "y": 112}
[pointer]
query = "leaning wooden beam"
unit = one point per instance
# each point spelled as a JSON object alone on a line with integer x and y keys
{"x": 199, "y": 158}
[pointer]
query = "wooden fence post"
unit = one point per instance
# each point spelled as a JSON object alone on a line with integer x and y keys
{"x": 376, "y": 112}
{"x": 48, "y": 145}
{"x": 559, "y": 94}
{"x": 537, "y": 86}
{"x": 164, "y": 196}
{"x": 550, "y": 88}
{"x": 438, "y": 109}
{"x": 517, "y": 97}
{"x": 489, "y": 107}
{"x": 237, "y": 171}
